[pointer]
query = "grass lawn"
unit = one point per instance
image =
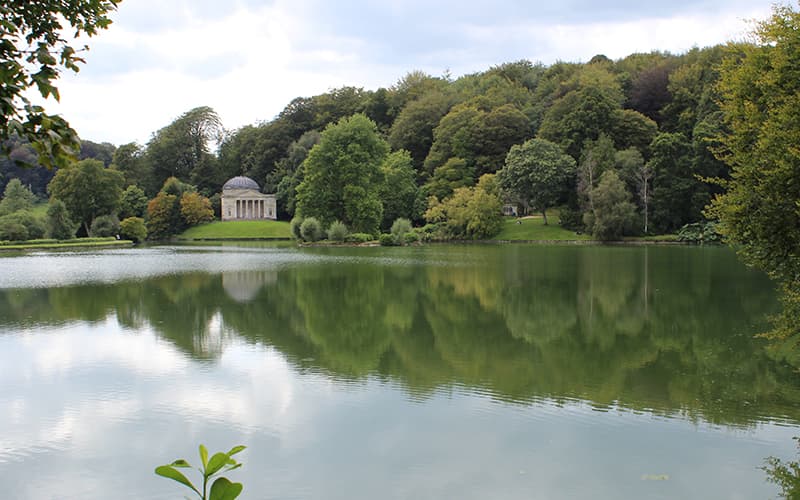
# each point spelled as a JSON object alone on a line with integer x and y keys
{"x": 67, "y": 244}
{"x": 533, "y": 229}
{"x": 238, "y": 230}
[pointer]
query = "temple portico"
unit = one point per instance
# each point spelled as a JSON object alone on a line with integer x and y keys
{"x": 242, "y": 200}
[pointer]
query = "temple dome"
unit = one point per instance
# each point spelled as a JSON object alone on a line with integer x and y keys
{"x": 240, "y": 182}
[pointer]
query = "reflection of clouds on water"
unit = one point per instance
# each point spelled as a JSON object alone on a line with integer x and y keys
{"x": 96, "y": 392}
{"x": 101, "y": 406}
{"x": 38, "y": 270}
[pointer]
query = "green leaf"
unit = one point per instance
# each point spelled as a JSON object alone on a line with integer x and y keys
{"x": 218, "y": 461}
{"x": 222, "y": 489}
{"x": 235, "y": 450}
{"x": 204, "y": 455}
{"x": 180, "y": 463}
{"x": 168, "y": 472}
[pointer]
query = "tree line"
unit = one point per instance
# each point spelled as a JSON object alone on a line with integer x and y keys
{"x": 651, "y": 119}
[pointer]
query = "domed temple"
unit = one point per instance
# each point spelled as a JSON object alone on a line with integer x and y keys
{"x": 242, "y": 199}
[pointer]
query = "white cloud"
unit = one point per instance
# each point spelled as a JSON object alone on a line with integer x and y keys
{"x": 248, "y": 61}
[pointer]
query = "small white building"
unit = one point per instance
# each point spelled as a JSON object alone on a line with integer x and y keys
{"x": 242, "y": 199}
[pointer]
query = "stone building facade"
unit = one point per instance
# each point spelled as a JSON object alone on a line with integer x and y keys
{"x": 242, "y": 199}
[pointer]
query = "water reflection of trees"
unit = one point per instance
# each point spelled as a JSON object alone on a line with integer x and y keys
{"x": 667, "y": 330}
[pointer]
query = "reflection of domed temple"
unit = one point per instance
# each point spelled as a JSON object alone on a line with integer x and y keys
{"x": 242, "y": 199}
{"x": 243, "y": 286}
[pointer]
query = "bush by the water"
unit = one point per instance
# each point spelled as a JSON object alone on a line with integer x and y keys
{"x": 133, "y": 228}
{"x": 359, "y": 238}
{"x": 410, "y": 238}
{"x": 387, "y": 240}
{"x": 400, "y": 228}
{"x": 311, "y": 230}
{"x": 294, "y": 226}
{"x": 104, "y": 226}
{"x": 337, "y": 231}
{"x": 699, "y": 233}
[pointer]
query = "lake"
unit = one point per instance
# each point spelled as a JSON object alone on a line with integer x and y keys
{"x": 435, "y": 372}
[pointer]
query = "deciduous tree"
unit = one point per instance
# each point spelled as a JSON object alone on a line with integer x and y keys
{"x": 613, "y": 214}
{"x": 537, "y": 174}
{"x": 88, "y": 190}
{"x": 59, "y": 224}
{"x": 16, "y": 197}
{"x": 760, "y": 211}
{"x": 342, "y": 176}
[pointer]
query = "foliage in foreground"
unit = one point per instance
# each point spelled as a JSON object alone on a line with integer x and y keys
{"x": 222, "y": 488}
{"x": 760, "y": 211}
{"x": 785, "y": 474}
{"x": 34, "y": 50}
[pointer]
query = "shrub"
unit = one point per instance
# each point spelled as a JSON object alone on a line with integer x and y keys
{"x": 572, "y": 219}
{"x": 359, "y": 238}
{"x": 400, "y": 227}
{"x": 105, "y": 225}
{"x": 337, "y": 231}
{"x": 311, "y": 230}
{"x": 387, "y": 240}
{"x": 33, "y": 225}
{"x": 294, "y": 225}
{"x": 699, "y": 233}
{"x": 13, "y": 231}
{"x": 133, "y": 228}
{"x": 410, "y": 238}
{"x": 59, "y": 224}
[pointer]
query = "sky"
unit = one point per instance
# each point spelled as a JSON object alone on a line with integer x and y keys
{"x": 248, "y": 58}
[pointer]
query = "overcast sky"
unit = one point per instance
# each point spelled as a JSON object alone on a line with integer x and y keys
{"x": 248, "y": 58}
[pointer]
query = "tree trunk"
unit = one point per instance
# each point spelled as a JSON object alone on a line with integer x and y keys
{"x": 544, "y": 216}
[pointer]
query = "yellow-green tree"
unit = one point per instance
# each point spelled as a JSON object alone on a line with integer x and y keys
{"x": 760, "y": 211}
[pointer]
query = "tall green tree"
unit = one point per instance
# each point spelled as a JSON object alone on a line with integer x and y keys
{"x": 182, "y": 149}
{"x": 16, "y": 197}
{"x": 131, "y": 161}
{"x": 399, "y": 191}
{"x": 59, "y": 224}
{"x": 613, "y": 214}
{"x": 537, "y": 174}
{"x": 342, "y": 175}
{"x": 674, "y": 183}
{"x": 88, "y": 190}
{"x": 760, "y": 211}
{"x": 132, "y": 203}
{"x": 289, "y": 173}
{"x": 34, "y": 48}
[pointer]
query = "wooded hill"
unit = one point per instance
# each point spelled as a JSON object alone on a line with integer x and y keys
{"x": 652, "y": 118}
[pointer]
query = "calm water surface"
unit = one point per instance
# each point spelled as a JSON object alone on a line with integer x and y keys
{"x": 463, "y": 372}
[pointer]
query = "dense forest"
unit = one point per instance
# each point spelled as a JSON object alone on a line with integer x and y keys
{"x": 650, "y": 119}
